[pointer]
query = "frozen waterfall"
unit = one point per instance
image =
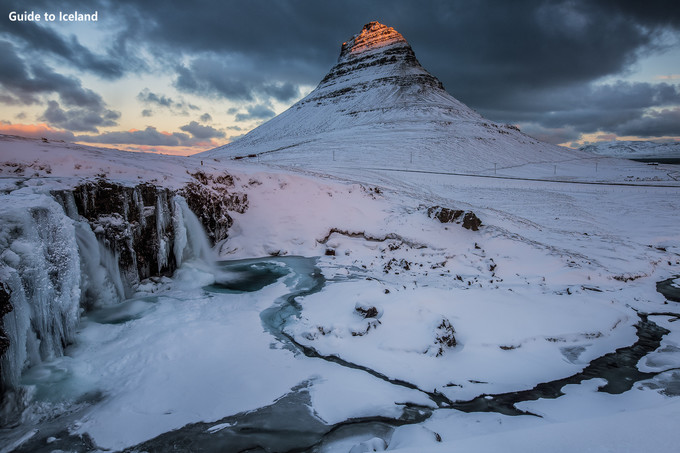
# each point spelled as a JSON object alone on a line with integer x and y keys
{"x": 55, "y": 267}
{"x": 41, "y": 267}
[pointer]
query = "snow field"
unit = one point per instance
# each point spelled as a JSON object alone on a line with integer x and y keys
{"x": 552, "y": 280}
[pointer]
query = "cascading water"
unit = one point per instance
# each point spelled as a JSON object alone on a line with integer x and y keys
{"x": 190, "y": 239}
{"x": 101, "y": 281}
{"x": 54, "y": 266}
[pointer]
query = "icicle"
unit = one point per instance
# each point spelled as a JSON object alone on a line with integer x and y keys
{"x": 17, "y": 325}
{"x": 139, "y": 203}
{"x": 41, "y": 262}
{"x": 163, "y": 221}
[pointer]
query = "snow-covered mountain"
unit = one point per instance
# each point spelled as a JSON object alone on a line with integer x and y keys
{"x": 635, "y": 149}
{"x": 379, "y": 107}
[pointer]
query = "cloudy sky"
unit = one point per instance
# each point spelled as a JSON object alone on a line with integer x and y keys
{"x": 184, "y": 76}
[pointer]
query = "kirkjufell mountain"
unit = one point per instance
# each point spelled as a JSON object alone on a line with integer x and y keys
{"x": 378, "y": 106}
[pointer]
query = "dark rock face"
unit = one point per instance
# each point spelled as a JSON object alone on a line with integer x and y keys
{"x": 471, "y": 221}
{"x": 135, "y": 223}
{"x": 445, "y": 215}
{"x": 377, "y": 47}
{"x": 367, "y": 312}
{"x": 211, "y": 198}
{"x": 5, "y": 307}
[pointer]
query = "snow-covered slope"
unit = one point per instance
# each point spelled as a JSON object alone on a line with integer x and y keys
{"x": 635, "y": 149}
{"x": 379, "y": 107}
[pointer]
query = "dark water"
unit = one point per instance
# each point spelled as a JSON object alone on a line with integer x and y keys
{"x": 249, "y": 275}
{"x": 286, "y": 425}
{"x": 618, "y": 368}
{"x": 659, "y": 160}
{"x": 669, "y": 291}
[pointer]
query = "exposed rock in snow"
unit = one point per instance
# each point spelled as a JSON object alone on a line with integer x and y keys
{"x": 374, "y": 37}
{"x": 445, "y": 337}
{"x": 470, "y": 221}
{"x": 368, "y": 310}
{"x": 134, "y": 223}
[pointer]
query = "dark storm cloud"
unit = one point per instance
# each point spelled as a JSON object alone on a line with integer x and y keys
{"x": 255, "y": 112}
{"x": 654, "y": 124}
{"x": 209, "y": 77}
{"x": 23, "y": 82}
{"x": 79, "y": 119}
{"x": 159, "y": 100}
{"x": 202, "y": 132}
{"x": 647, "y": 13}
{"x": 149, "y": 137}
{"x": 526, "y": 41}
{"x": 590, "y": 108}
{"x": 36, "y": 37}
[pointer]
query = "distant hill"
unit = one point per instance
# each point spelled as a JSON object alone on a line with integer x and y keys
{"x": 635, "y": 150}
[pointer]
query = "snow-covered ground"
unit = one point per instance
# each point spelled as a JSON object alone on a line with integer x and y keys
{"x": 555, "y": 278}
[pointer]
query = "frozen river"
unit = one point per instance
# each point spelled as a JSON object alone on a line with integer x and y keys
{"x": 213, "y": 364}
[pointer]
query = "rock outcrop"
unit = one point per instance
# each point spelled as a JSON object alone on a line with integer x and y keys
{"x": 468, "y": 219}
{"x": 445, "y": 338}
{"x": 211, "y": 198}
{"x": 377, "y": 51}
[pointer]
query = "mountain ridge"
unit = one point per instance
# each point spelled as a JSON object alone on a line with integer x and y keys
{"x": 378, "y": 104}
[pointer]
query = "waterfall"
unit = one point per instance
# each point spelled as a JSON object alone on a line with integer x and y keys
{"x": 191, "y": 242}
{"x": 54, "y": 265}
{"x": 101, "y": 282}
